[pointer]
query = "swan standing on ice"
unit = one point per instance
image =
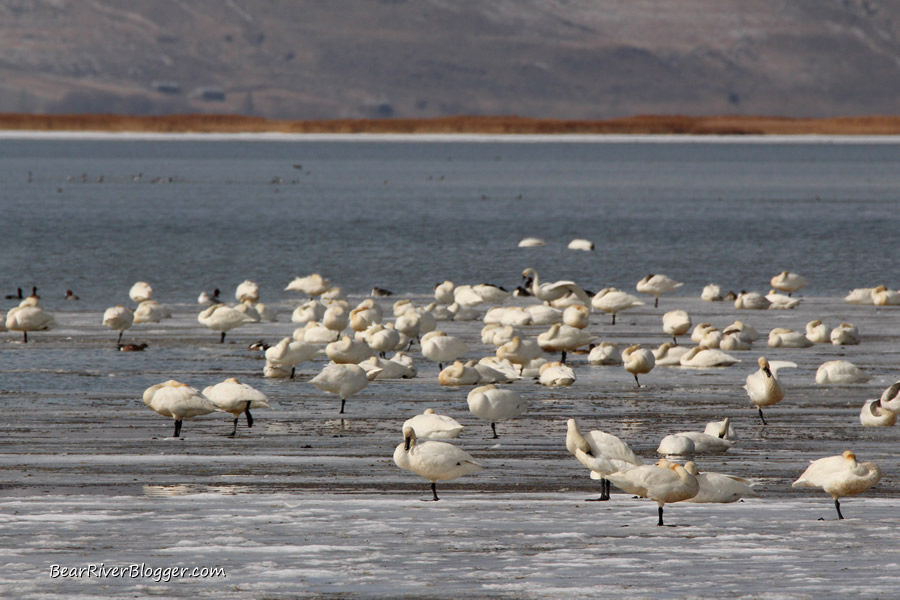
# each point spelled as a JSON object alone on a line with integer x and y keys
{"x": 548, "y": 292}
{"x": 601, "y": 452}
{"x": 220, "y": 317}
{"x": 177, "y": 400}
{"x": 656, "y": 285}
{"x": 441, "y": 348}
{"x": 118, "y": 318}
{"x": 28, "y": 316}
{"x": 563, "y": 338}
{"x": 612, "y": 301}
{"x": 675, "y": 323}
{"x": 788, "y": 282}
{"x": 288, "y": 353}
{"x": 664, "y": 482}
{"x": 430, "y": 425}
{"x": 490, "y": 403}
{"x": 234, "y": 397}
{"x": 840, "y": 476}
{"x": 637, "y": 361}
{"x": 343, "y": 380}
{"x": 311, "y": 285}
{"x": 763, "y": 386}
{"x": 433, "y": 460}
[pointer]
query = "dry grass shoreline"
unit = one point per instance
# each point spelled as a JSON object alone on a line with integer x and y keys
{"x": 641, "y": 124}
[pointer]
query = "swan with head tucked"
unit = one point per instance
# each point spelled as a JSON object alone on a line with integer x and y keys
{"x": 718, "y": 487}
{"x": 613, "y": 301}
{"x": 605, "y": 354}
{"x": 248, "y": 291}
{"x": 675, "y": 323}
{"x": 840, "y": 476}
{"x": 563, "y": 338}
{"x": 873, "y": 414}
{"x": 141, "y": 291}
{"x": 700, "y": 357}
{"x": 845, "y": 334}
{"x": 637, "y": 361}
{"x": 663, "y": 482}
{"x": 818, "y": 332}
{"x": 890, "y": 397}
{"x": 458, "y": 373}
{"x": 556, "y": 374}
{"x": 656, "y": 285}
{"x": 433, "y": 460}
{"x": 220, "y": 317}
{"x": 780, "y": 301}
{"x": 178, "y": 401}
{"x": 118, "y": 318}
{"x": 601, "y": 452}
{"x": 789, "y": 282}
{"x": 288, "y": 353}
{"x": 311, "y": 285}
{"x": 28, "y": 316}
{"x": 237, "y": 398}
{"x": 700, "y": 443}
{"x": 840, "y": 372}
{"x": 763, "y": 386}
{"x": 430, "y": 425}
{"x": 441, "y": 348}
{"x": 548, "y": 292}
{"x": 343, "y": 380}
{"x": 581, "y": 244}
{"x": 669, "y": 355}
{"x": 491, "y": 403}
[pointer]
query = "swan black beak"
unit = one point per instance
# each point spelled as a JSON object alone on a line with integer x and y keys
{"x": 408, "y": 441}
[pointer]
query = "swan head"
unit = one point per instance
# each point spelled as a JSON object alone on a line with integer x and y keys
{"x": 529, "y": 272}
{"x": 848, "y": 454}
{"x": 691, "y": 467}
{"x": 764, "y": 365}
{"x": 409, "y": 437}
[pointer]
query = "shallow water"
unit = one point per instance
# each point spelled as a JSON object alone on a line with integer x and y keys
{"x": 307, "y": 503}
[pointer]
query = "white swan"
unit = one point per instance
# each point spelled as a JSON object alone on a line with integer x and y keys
{"x": 433, "y": 460}
{"x": 343, "y": 380}
{"x": 555, "y": 374}
{"x": 751, "y": 301}
{"x": 348, "y": 351}
{"x": 700, "y": 443}
{"x": 605, "y": 354}
{"x": 718, "y": 487}
{"x": 881, "y": 296}
{"x": 443, "y": 292}
{"x": 656, "y": 285}
{"x": 519, "y": 351}
{"x": 491, "y": 403}
{"x": 840, "y": 372}
{"x": 613, "y": 301}
{"x": 388, "y": 368}
{"x": 663, "y": 482}
{"x": 489, "y": 292}
{"x": 494, "y": 334}
{"x": 818, "y": 332}
{"x": 638, "y": 361}
{"x": 178, "y": 401}
{"x": 601, "y": 452}
{"x": 220, "y": 317}
{"x": 517, "y": 316}
{"x": 29, "y": 317}
{"x": 309, "y": 311}
{"x": 860, "y": 296}
{"x": 531, "y": 242}
{"x": 721, "y": 429}
{"x": 563, "y": 339}
{"x": 845, "y": 334}
{"x": 577, "y": 315}
{"x": 781, "y": 337}
{"x": 441, "y": 348}
{"x": 118, "y": 318}
{"x": 840, "y": 476}
{"x": 734, "y": 341}
{"x": 669, "y": 355}
{"x": 873, "y": 414}
{"x": 430, "y": 425}
{"x": 890, "y": 397}
{"x": 288, "y": 353}
{"x": 316, "y": 333}
{"x": 311, "y": 285}
{"x": 458, "y": 373}
{"x": 548, "y": 292}
{"x": 236, "y": 398}
{"x": 247, "y": 291}
{"x": 780, "y": 301}
{"x": 763, "y": 386}
{"x": 789, "y": 282}
{"x": 151, "y": 311}
{"x": 140, "y": 291}
{"x": 711, "y": 293}
{"x": 541, "y": 314}
{"x": 699, "y": 357}
{"x": 675, "y": 323}
{"x": 336, "y": 316}
{"x": 366, "y": 314}
{"x": 384, "y": 338}
{"x": 581, "y": 244}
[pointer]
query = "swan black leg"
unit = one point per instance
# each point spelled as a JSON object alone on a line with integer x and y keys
{"x": 762, "y": 417}
{"x": 660, "y": 517}
{"x": 249, "y": 416}
{"x": 222, "y": 339}
{"x": 837, "y": 505}
{"x": 434, "y": 491}
{"x": 494, "y": 429}
{"x": 234, "y": 430}
{"x": 177, "y": 428}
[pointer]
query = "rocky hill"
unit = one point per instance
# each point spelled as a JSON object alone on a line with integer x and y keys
{"x": 565, "y": 59}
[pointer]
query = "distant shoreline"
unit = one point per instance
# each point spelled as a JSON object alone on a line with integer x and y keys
{"x": 675, "y": 125}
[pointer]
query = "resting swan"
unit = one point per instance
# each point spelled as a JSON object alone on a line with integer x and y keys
{"x": 433, "y": 460}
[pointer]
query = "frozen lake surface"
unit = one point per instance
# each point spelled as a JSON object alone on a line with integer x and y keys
{"x": 308, "y": 503}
